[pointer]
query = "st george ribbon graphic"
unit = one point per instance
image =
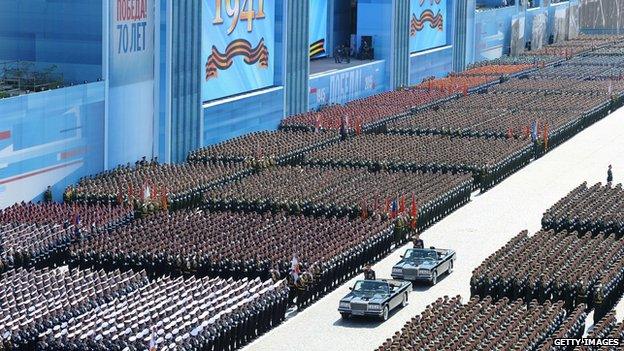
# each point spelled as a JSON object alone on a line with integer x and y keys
{"x": 435, "y": 21}
{"x": 239, "y": 47}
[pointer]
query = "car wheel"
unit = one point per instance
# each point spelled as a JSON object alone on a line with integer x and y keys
{"x": 450, "y": 270}
{"x": 345, "y": 315}
{"x": 384, "y": 313}
{"x": 434, "y": 278}
{"x": 404, "y": 302}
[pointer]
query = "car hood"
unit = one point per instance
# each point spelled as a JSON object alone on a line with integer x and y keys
{"x": 416, "y": 264}
{"x": 377, "y": 298}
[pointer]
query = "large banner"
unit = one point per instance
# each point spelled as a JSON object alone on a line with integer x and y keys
{"x": 346, "y": 85}
{"x": 238, "y": 46}
{"x": 318, "y": 28}
{"x": 428, "y": 24}
{"x": 130, "y": 112}
{"x": 131, "y": 41}
{"x": 50, "y": 138}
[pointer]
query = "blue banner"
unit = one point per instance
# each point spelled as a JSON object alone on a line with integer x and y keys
{"x": 318, "y": 28}
{"x": 131, "y": 41}
{"x": 346, "y": 85}
{"x": 428, "y": 24}
{"x": 130, "y": 98}
{"x": 238, "y": 46}
{"x": 50, "y": 138}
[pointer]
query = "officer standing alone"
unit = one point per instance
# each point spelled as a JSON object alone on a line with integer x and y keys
{"x": 417, "y": 241}
{"x": 369, "y": 273}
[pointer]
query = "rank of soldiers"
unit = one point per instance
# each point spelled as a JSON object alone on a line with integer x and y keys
{"x": 365, "y": 113}
{"x": 497, "y": 69}
{"x": 228, "y": 244}
{"x": 175, "y": 314}
{"x": 345, "y": 192}
{"x": 598, "y": 208}
{"x": 33, "y": 301}
{"x": 99, "y": 216}
{"x": 570, "y": 267}
{"x": 565, "y": 86}
{"x": 597, "y": 60}
{"x": 607, "y": 328}
{"x": 490, "y": 160}
{"x": 536, "y": 61}
{"x": 507, "y": 113}
{"x": 160, "y": 185}
{"x": 460, "y": 84}
{"x": 585, "y": 72}
{"x": 277, "y": 146}
{"x": 485, "y": 324}
{"x": 39, "y": 234}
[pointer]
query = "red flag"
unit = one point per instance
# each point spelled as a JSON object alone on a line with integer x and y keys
{"x": 545, "y": 136}
{"x": 402, "y": 205}
{"x": 364, "y": 213}
{"x": 358, "y": 127}
{"x": 413, "y": 213}
{"x": 387, "y": 205}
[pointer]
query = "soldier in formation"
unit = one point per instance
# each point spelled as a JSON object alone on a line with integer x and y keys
{"x": 228, "y": 244}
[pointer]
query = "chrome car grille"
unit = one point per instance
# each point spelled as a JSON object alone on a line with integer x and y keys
{"x": 358, "y": 306}
{"x": 410, "y": 273}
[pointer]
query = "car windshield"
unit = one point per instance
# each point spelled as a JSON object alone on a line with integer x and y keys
{"x": 371, "y": 287}
{"x": 426, "y": 255}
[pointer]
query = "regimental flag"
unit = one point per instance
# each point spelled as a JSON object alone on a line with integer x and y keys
{"x": 376, "y": 205}
{"x": 413, "y": 213}
{"x": 294, "y": 268}
{"x": 152, "y": 343}
{"x": 317, "y": 48}
{"x": 534, "y": 131}
{"x": 147, "y": 193}
{"x": 358, "y": 127}
{"x": 394, "y": 209}
{"x": 402, "y": 204}
{"x": 364, "y": 213}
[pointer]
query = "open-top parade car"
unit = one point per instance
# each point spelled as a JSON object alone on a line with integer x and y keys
{"x": 374, "y": 298}
{"x": 424, "y": 264}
